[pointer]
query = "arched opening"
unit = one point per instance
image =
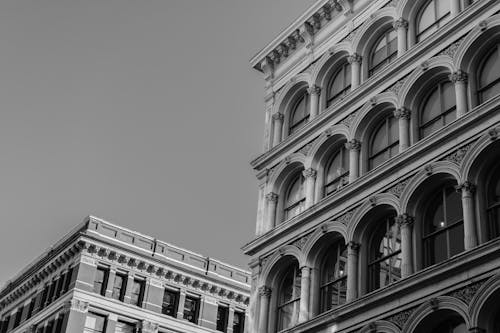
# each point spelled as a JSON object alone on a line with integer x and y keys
{"x": 384, "y": 50}
{"x": 333, "y": 286}
{"x": 299, "y": 113}
{"x": 489, "y": 314}
{"x": 431, "y": 16}
{"x": 340, "y": 83}
{"x": 488, "y": 78}
{"x": 384, "y": 141}
{"x": 442, "y": 321}
{"x": 337, "y": 169}
{"x": 288, "y": 297}
{"x": 295, "y": 198}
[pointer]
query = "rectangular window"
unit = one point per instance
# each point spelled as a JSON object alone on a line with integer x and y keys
{"x": 60, "y": 284}
{"x": 69, "y": 276}
{"x": 50, "y": 326}
{"x": 191, "y": 308}
{"x": 137, "y": 293}
{"x": 31, "y": 307}
{"x": 238, "y": 322}
{"x": 119, "y": 286}
{"x": 95, "y": 323}
{"x": 222, "y": 315}
{"x": 19, "y": 313}
{"x": 59, "y": 324}
{"x": 101, "y": 280}
{"x": 5, "y": 324}
{"x": 170, "y": 303}
{"x": 123, "y": 327}
{"x": 52, "y": 289}
{"x": 44, "y": 296}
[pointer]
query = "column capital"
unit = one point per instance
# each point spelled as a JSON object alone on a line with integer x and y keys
{"x": 458, "y": 76}
{"x": 314, "y": 90}
{"x": 402, "y": 113}
{"x": 353, "y": 145}
{"x": 77, "y": 305}
{"x": 354, "y": 58}
{"x": 309, "y": 173}
{"x": 353, "y": 246}
{"x": 404, "y": 220}
{"x": 148, "y": 327}
{"x": 278, "y": 116}
{"x": 265, "y": 291}
{"x": 466, "y": 187}
{"x": 400, "y": 23}
{"x": 272, "y": 197}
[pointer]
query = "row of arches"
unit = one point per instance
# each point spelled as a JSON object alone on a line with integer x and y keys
{"x": 443, "y": 211}
{"x": 383, "y": 128}
{"x": 459, "y": 82}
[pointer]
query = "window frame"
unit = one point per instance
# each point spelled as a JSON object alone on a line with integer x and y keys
{"x": 137, "y": 298}
{"x": 341, "y": 70}
{"x": 481, "y": 90}
{"x": 292, "y": 270}
{"x": 241, "y": 317}
{"x": 221, "y": 322}
{"x": 373, "y": 69}
{"x": 385, "y": 122}
{"x": 443, "y": 113}
{"x": 196, "y": 300}
{"x": 342, "y": 179}
{"x": 104, "y": 282}
{"x": 295, "y": 126}
{"x": 123, "y": 287}
{"x": 438, "y": 22}
{"x": 339, "y": 277}
{"x": 298, "y": 203}
{"x": 493, "y": 206}
{"x": 175, "y": 305}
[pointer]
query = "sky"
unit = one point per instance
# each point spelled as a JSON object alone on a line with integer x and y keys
{"x": 145, "y": 113}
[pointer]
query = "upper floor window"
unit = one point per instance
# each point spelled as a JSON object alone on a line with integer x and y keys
{"x": 384, "y": 265}
{"x": 124, "y": 327}
{"x": 67, "y": 281}
{"x": 191, "y": 309}
{"x": 94, "y": 323}
{"x": 119, "y": 286}
{"x": 384, "y": 142}
{"x": 439, "y": 108}
{"x": 222, "y": 316}
{"x": 443, "y": 226}
{"x": 489, "y": 75}
{"x": 137, "y": 292}
{"x": 295, "y": 197}
{"x": 101, "y": 280}
{"x": 433, "y": 15}
{"x": 170, "y": 303}
{"x": 493, "y": 204}
{"x": 238, "y": 322}
{"x": 289, "y": 298}
{"x": 340, "y": 83}
{"x": 337, "y": 170}
{"x": 300, "y": 113}
{"x": 384, "y": 51}
{"x": 334, "y": 277}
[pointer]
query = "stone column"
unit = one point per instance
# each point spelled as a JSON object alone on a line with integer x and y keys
{"x": 310, "y": 183}
{"x": 401, "y": 27}
{"x": 314, "y": 295}
{"x": 459, "y": 79}
{"x": 277, "y": 128}
{"x": 272, "y": 202}
{"x": 352, "y": 271}
{"x": 314, "y": 92}
{"x": 355, "y": 61}
{"x": 354, "y": 147}
{"x": 305, "y": 287}
{"x": 74, "y": 320}
{"x": 470, "y": 236}
{"x": 265, "y": 297}
{"x": 454, "y": 7}
{"x": 405, "y": 222}
{"x": 403, "y": 115}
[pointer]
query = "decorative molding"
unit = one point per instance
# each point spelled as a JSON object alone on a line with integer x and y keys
{"x": 78, "y": 305}
{"x": 347, "y": 121}
{"x": 466, "y": 186}
{"x": 458, "y": 155}
{"x": 272, "y": 197}
{"x": 466, "y": 293}
{"x": 301, "y": 241}
{"x": 353, "y": 145}
{"x": 402, "y": 113}
{"x": 354, "y": 58}
{"x": 451, "y": 50}
{"x": 396, "y": 87}
{"x": 278, "y": 116}
{"x": 314, "y": 90}
{"x": 400, "y": 23}
{"x": 404, "y": 220}
{"x": 345, "y": 218}
{"x": 398, "y": 188}
{"x": 401, "y": 318}
{"x": 309, "y": 173}
{"x": 306, "y": 149}
{"x": 265, "y": 291}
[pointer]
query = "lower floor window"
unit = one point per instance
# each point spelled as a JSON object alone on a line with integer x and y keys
{"x": 95, "y": 323}
{"x": 191, "y": 308}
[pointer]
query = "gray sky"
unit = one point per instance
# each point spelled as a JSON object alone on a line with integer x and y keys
{"x": 142, "y": 112}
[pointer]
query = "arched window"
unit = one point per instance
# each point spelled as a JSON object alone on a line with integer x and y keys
{"x": 384, "y": 142}
{"x": 384, "y": 265}
{"x": 434, "y": 14}
{"x": 439, "y": 108}
{"x": 493, "y": 204}
{"x": 340, "y": 84}
{"x": 334, "y": 277}
{"x": 454, "y": 324}
{"x": 337, "y": 170}
{"x": 383, "y": 51}
{"x": 289, "y": 298}
{"x": 300, "y": 113}
{"x": 443, "y": 226}
{"x": 489, "y": 75}
{"x": 295, "y": 198}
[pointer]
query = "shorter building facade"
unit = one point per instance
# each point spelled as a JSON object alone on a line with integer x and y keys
{"x": 102, "y": 278}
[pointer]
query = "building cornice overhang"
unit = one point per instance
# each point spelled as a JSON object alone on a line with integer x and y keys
{"x": 418, "y": 155}
{"x": 399, "y": 68}
{"x": 471, "y": 265}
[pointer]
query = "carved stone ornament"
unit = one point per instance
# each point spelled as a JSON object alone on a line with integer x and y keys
{"x": 398, "y": 188}
{"x": 402, "y": 113}
{"x": 301, "y": 242}
{"x": 373, "y": 201}
{"x": 400, "y": 23}
{"x": 404, "y": 220}
{"x": 78, "y": 305}
{"x": 345, "y": 218}
{"x": 306, "y": 149}
{"x": 424, "y": 66}
{"x": 354, "y": 58}
{"x": 466, "y": 186}
{"x": 458, "y": 155}
{"x": 141, "y": 265}
{"x": 353, "y": 246}
{"x": 272, "y": 197}
{"x": 434, "y": 303}
{"x": 149, "y": 327}
{"x": 396, "y": 87}
{"x": 309, "y": 173}
{"x": 314, "y": 90}
{"x": 458, "y": 76}
{"x": 401, "y": 318}
{"x": 122, "y": 259}
{"x": 278, "y": 116}
{"x": 467, "y": 293}
{"x": 428, "y": 169}
{"x": 326, "y": 12}
{"x": 493, "y": 133}
{"x": 452, "y": 49}
{"x": 483, "y": 25}
{"x": 353, "y": 145}
{"x": 265, "y": 291}
{"x": 349, "y": 119}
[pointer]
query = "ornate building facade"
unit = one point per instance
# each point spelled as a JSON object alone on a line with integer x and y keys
{"x": 379, "y": 184}
{"x": 102, "y": 278}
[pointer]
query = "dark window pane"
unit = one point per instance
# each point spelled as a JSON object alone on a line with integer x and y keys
{"x": 222, "y": 315}
{"x": 170, "y": 303}
{"x": 100, "y": 280}
{"x": 119, "y": 286}
{"x": 239, "y": 322}
{"x": 137, "y": 292}
{"x": 123, "y": 327}
{"x": 191, "y": 307}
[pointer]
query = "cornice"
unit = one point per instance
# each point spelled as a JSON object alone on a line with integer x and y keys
{"x": 386, "y": 175}
{"x": 387, "y": 78}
